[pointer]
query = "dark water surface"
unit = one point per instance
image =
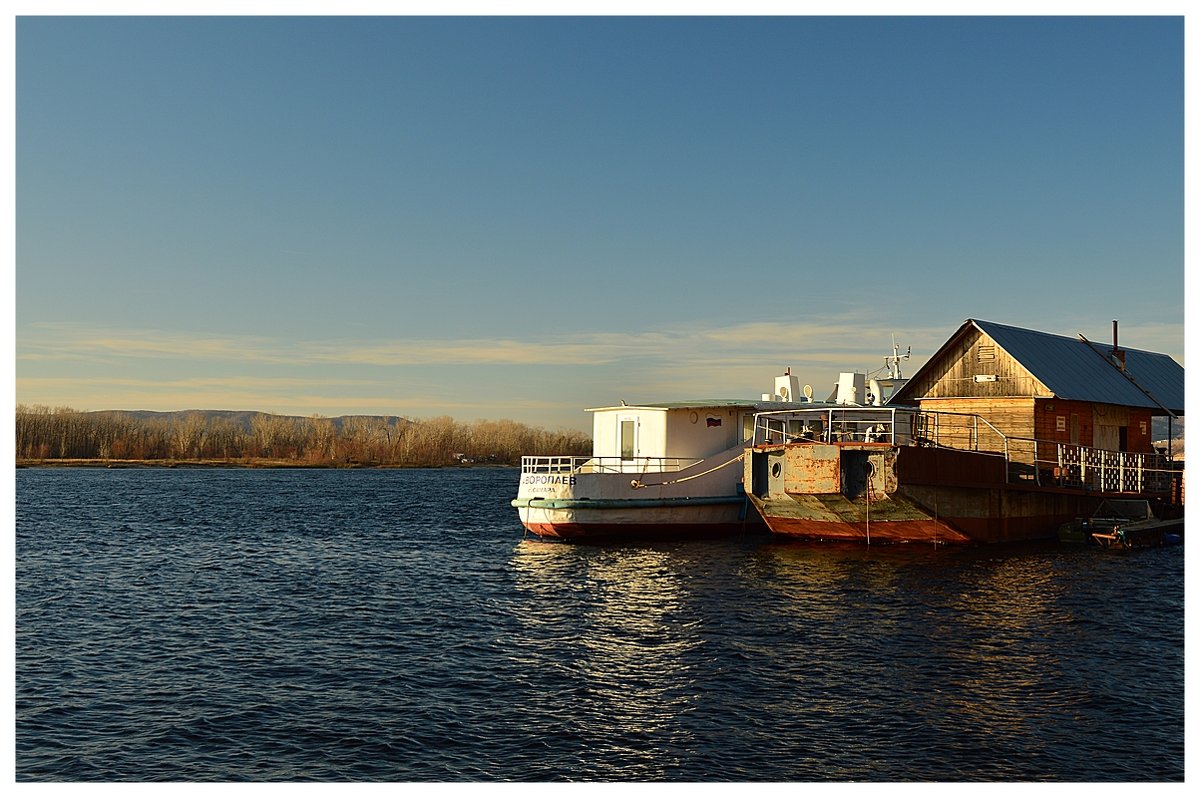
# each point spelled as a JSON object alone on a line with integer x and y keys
{"x": 394, "y": 625}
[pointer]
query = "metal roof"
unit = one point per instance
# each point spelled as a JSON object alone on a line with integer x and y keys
{"x": 1074, "y": 369}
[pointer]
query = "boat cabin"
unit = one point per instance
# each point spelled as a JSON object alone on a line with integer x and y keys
{"x": 682, "y": 431}
{"x": 668, "y": 436}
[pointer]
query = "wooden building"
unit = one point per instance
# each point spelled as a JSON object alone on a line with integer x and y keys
{"x": 1038, "y": 391}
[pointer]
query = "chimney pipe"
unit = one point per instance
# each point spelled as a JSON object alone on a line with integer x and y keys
{"x": 1117, "y": 354}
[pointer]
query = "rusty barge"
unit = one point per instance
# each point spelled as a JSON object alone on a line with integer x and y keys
{"x": 1004, "y": 435}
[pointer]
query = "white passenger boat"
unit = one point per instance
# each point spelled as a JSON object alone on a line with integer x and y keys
{"x": 667, "y": 469}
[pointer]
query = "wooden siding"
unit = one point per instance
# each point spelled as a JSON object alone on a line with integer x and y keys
{"x": 1093, "y": 419}
{"x": 1012, "y": 416}
{"x": 1141, "y": 430}
{"x": 1075, "y": 416}
{"x": 1027, "y": 417}
{"x": 1135, "y": 421}
{"x": 1053, "y": 413}
{"x": 977, "y": 368}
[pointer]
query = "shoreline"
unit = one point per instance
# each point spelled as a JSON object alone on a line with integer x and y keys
{"x": 239, "y": 463}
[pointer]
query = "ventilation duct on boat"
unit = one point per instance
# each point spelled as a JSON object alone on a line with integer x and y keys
{"x": 787, "y": 388}
{"x": 876, "y": 394}
{"x": 851, "y": 389}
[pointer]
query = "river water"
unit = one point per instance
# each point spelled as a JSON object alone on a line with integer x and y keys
{"x": 395, "y": 625}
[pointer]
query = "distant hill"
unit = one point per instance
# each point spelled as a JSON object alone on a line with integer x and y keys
{"x": 243, "y": 419}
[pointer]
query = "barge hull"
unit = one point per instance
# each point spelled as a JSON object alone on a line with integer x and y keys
{"x": 790, "y": 521}
{"x": 905, "y": 494}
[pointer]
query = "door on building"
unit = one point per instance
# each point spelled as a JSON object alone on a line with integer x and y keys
{"x": 627, "y": 437}
{"x": 1107, "y": 436}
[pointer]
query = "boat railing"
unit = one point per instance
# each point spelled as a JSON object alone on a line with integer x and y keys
{"x": 1042, "y": 462}
{"x": 1103, "y": 470}
{"x": 900, "y": 426}
{"x": 534, "y": 464}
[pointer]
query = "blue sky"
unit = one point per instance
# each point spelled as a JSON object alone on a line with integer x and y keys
{"x": 522, "y": 217}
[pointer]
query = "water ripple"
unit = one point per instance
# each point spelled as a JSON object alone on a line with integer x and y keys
{"x": 176, "y": 625}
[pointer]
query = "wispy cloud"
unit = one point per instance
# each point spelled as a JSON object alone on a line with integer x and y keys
{"x": 93, "y": 368}
{"x": 841, "y": 342}
{"x": 79, "y": 342}
{"x": 275, "y": 395}
{"x": 155, "y": 369}
{"x": 48, "y": 342}
{"x": 813, "y": 342}
{"x": 584, "y": 349}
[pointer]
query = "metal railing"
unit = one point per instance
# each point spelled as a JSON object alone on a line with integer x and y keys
{"x": 891, "y": 425}
{"x": 532, "y": 464}
{"x": 1103, "y": 470}
{"x": 1046, "y": 463}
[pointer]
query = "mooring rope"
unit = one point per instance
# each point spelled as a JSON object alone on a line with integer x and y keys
{"x": 635, "y": 484}
{"x": 870, "y": 472}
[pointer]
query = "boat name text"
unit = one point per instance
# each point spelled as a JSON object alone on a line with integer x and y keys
{"x": 548, "y": 479}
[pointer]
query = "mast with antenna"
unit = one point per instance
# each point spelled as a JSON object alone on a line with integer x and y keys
{"x": 892, "y": 361}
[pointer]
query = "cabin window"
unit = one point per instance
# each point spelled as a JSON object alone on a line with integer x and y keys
{"x": 628, "y": 438}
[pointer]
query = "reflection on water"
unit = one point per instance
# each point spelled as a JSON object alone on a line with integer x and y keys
{"x": 957, "y": 652}
{"x": 624, "y": 655}
{"x": 834, "y": 658}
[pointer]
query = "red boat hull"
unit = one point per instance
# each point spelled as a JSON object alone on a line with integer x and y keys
{"x": 907, "y": 494}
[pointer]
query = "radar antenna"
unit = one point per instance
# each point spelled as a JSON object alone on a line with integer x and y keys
{"x": 892, "y": 361}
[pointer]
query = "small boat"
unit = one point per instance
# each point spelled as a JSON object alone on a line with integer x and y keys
{"x": 1123, "y": 523}
{"x": 670, "y": 469}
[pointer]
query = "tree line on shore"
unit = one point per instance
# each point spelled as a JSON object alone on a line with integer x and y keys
{"x": 45, "y": 434}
